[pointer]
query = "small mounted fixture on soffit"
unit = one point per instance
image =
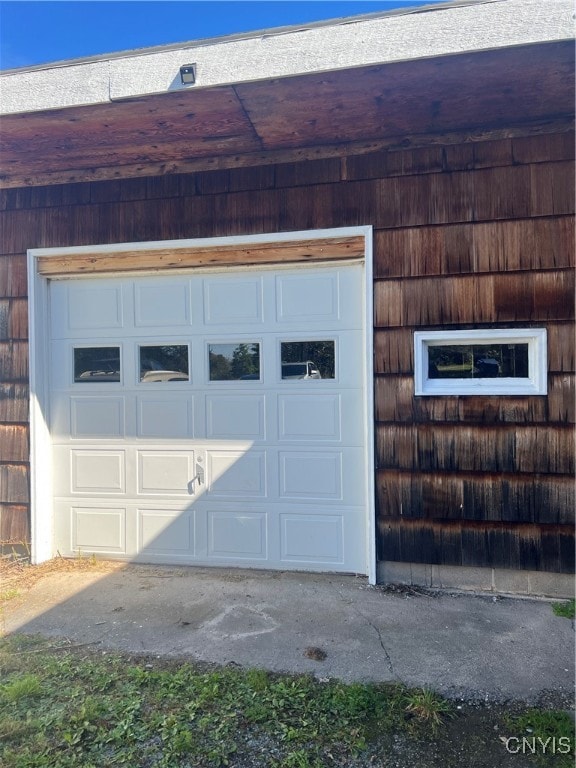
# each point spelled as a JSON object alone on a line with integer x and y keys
{"x": 188, "y": 74}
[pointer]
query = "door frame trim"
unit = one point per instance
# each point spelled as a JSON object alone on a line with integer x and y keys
{"x": 41, "y": 471}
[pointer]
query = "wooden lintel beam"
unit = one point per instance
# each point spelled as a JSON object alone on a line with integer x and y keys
{"x": 35, "y": 177}
{"x": 164, "y": 259}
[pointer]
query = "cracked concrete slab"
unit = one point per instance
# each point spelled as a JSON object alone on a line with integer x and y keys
{"x": 460, "y": 645}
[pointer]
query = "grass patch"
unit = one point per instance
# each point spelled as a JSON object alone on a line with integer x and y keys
{"x": 67, "y": 709}
{"x": 62, "y": 707}
{"x": 20, "y": 688}
{"x": 545, "y": 732}
{"x": 567, "y": 610}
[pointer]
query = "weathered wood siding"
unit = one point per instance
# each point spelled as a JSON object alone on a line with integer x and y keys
{"x": 477, "y": 234}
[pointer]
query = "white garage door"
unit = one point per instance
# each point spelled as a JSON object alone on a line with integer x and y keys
{"x": 211, "y": 418}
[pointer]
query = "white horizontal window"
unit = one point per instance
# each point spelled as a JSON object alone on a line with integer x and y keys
{"x": 499, "y": 361}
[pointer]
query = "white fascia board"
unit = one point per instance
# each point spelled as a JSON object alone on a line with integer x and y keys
{"x": 357, "y": 42}
{"x": 72, "y": 85}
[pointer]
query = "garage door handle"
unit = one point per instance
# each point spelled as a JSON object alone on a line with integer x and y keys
{"x": 199, "y": 476}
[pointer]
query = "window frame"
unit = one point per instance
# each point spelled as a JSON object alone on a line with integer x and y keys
{"x": 536, "y": 383}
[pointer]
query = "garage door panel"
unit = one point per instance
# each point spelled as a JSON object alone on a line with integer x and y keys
{"x": 97, "y": 417}
{"x": 312, "y": 538}
{"x": 166, "y": 472}
{"x": 320, "y": 298}
{"x": 98, "y": 471}
{"x": 233, "y": 302}
{"x": 160, "y": 416}
{"x": 98, "y": 529}
{"x": 310, "y": 475}
{"x": 233, "y": 417}
{"x": 236, "y": 473}
{"x": 310, "y": 417}
{"x": 89, "y": 471}
{"x": 95, "y": 307}
{"x": 80, "y": 307}
{"x": 237, "y": 535}
{"x": 165, "y": 531}
{"x": 308, "y": 297}
{"x": 161, "y": 304}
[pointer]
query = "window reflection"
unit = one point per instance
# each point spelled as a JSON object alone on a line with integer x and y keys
{"x": 478, "y": 361}
{"x": 168, "y": 362}
{"x": 307, "y": 359}
{"x": 234, "y": 362}
{"x": 96, "y": 364}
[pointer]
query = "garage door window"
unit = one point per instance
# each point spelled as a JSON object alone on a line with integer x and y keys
{"x": 234, "y": 361}
{"x": 96, "y": 365}
{"x": 168, "y": 362}
{"x": 307, "y": 360}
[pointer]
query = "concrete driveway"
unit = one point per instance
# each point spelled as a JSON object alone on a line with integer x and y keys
{"x": 461, "y": 645}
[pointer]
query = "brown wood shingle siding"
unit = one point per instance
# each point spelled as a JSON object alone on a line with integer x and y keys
{"x": 476, "y": 234}
{"x": 395, "y": 402}
{"x": 474, "y": 299}
{"x": 13, "y": 403}
{"x": 491, "y": 247}
{"x": 495, "y": 497}
{"x": 459, "y": 447}
{"x": 497, "y": 545}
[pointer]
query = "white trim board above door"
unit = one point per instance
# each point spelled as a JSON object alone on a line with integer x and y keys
{"x": 247, "y": 440}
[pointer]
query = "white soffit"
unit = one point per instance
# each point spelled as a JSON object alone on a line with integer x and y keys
{"x": 359, "y": 41}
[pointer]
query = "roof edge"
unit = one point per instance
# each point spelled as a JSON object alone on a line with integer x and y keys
{"x": 252, "y": 34}
{"x": 470, "y": 26}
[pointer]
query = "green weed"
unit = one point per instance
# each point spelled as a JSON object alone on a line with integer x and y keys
{"x": 547, "y": 729}
{"x": 21, "y": 688}
{"x": 298, "y": 759}
{"x": 545, "y": 723}
{"x": 427, "y": 707}
{"x": 567, "y": 610}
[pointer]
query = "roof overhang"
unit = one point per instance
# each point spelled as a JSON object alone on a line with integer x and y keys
{"x": 388, "y": 81}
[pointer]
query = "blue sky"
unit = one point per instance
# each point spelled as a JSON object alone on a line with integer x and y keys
{"x": 34, "y": 32}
